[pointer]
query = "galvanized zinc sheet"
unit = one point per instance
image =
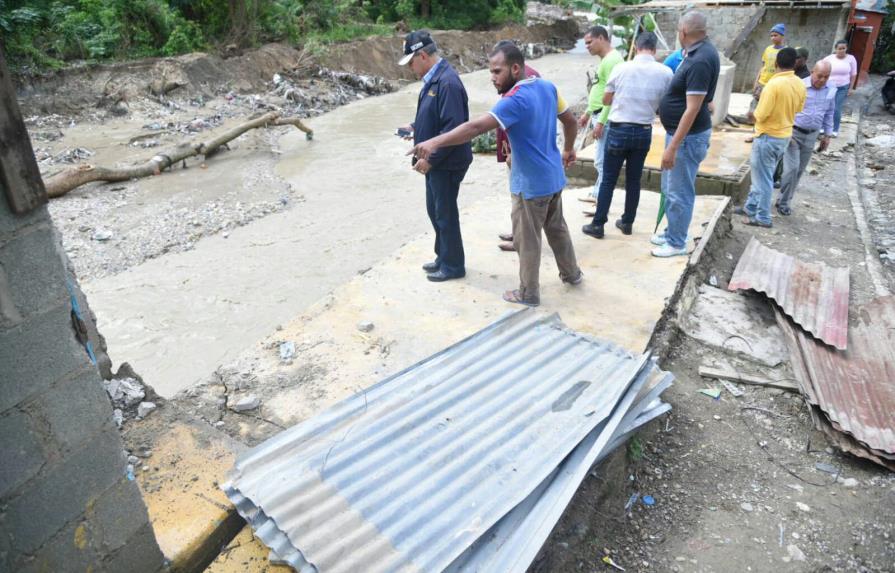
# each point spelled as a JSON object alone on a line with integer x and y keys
{"x": 407, "y": 475}
{"x": 855, "y": 389}
{"x": 514, "y": 542}
{"x": 813, "y": 294}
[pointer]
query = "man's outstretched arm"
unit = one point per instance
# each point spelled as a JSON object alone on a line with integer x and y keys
{"x": 460, "y": 134}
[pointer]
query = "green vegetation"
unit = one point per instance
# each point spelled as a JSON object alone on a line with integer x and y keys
{"x": 884, "y": 53}
{"x": 44, "y": 34}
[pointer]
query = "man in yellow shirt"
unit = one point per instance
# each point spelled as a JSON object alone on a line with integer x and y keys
{"x": 781, "y": 99}
{"x": 768, "y": 62}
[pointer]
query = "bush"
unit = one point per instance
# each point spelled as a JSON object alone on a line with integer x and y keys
{"x": 40, "y": 34}
{"x": 186, "y": 37}
{"x": 884, "y": 53}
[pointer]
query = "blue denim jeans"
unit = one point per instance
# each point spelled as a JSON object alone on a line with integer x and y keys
{"x": 679, "y": 185}
{"x": 841, "y": 94}
{"x": 600, "y": 153}
{"x": 442, "y": 188}
{"x": 766, "y": 153}
{"x": 627, "y": 144}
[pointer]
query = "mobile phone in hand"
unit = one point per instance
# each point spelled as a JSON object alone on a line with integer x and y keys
{"x": 401, "y": 132}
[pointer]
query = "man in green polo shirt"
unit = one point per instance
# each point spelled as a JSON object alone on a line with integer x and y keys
{"x": 597, "y": 115}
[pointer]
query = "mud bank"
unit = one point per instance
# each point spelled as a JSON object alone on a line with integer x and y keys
{"x": 113, "y": 87}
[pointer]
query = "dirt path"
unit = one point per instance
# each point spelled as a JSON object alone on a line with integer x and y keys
{"x": 176, "y": 318}
{"x": 743, "y": 483}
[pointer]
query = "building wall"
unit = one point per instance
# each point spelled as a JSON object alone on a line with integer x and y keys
{"x": 815, "y": 29}
{"x": 65, "y": 502}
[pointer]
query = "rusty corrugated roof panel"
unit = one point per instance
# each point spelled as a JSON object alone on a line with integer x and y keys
{"x": 855, "y": 389}
{"x": 813, "y": 294}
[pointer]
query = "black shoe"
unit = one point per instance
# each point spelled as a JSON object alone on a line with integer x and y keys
{"x": 595, "y": 231}
{"x": 440, "y": 276}
{"x": 625, "y": 228}
{"x": 431, "y": 267}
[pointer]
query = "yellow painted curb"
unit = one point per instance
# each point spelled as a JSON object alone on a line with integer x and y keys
{"x": 191, "y": 517}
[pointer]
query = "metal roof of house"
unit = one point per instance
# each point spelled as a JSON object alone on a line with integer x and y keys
{"x": 855, "y": 389}
{"x": 880, "y": 6}
{"x": 813, "y": 294}
{"x": 409, "y": 474}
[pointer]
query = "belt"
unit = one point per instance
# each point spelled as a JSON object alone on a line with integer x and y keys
{"x": 628, "y": 124}
{"x": 803, "y": 130}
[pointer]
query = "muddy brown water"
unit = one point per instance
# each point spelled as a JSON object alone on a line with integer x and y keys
{"x": 178, "y": 317}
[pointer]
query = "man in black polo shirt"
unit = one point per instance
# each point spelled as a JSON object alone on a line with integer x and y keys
{"x": 688, "y": 125}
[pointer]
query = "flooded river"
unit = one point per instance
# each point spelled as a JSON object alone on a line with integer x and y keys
{"x": 178, "y": 317}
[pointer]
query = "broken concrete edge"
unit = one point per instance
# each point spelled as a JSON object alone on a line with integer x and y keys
{"x": 857, "y": 197}
{"x": 582, "y": 174}
{"x": 196, "y": 543}
{"x": 666, "y": 332}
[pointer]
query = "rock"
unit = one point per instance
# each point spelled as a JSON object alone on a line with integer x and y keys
{"x": 803, "y": 506}
{"x": 246, "y": 403}
{"x": 119, "y": 109}
{"x": 125, "y": 390}
{"x": 747, "y": 507}
{"x": 145, "y": 408}
{"x": 102, "y": 235}
{"x": 287, "y": 350}
{"x": 365, "y": 326}
{"x": 118, "y": 417}
{"x": 881, "y": 141}
{"x": 795, "y": 553}
{"x": 848, "y": 482}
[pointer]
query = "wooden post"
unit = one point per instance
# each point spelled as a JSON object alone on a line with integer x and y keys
{"x": 19, "y": 176}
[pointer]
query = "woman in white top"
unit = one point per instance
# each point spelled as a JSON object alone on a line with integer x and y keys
{"x": 842, "y": 77}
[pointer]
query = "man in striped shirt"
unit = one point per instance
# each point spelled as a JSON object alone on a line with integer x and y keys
{"x": 634, "y": 90}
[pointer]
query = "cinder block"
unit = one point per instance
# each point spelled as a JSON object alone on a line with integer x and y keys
{"x": 21, "y": 451}
{"x": 72, "y": 549}
{"x": 119, "y": 514}
{"x": 37, "y": 353}
{"x": 9, "y": 314}
{"x": 63, "y": 492}
{"x": 34, "y": 270}
{"x": 139, "y": 555}
{"x": 10, "y": 223}
{"x": 76, "y": 409}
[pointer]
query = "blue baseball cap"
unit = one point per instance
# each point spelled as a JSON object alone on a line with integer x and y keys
{"x": 779, "y": 28}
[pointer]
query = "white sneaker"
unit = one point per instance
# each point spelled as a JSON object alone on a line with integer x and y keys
{"x": 834, "y": 134}
{"x": 659, "y": 239}
{"x": 667, "y": 250}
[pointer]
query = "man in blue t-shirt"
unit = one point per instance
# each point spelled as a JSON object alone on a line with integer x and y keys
{"x": 528, "y": 113}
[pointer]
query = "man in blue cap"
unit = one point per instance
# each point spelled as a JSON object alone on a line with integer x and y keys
{"x": 768, "y": 63}
{"x": 442, "y": 105}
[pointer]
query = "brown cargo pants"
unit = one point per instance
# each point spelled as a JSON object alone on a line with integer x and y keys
{"x": 530, "y": 217}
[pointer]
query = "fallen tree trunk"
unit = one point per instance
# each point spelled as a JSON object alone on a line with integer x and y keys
{"x": 61, "y": 183}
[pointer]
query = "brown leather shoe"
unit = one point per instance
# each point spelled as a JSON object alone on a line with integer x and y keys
{"x": 506, "y": 247}
{"x": 508, "y": 237}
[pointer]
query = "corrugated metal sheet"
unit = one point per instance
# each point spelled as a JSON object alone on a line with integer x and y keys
{"x": 855, "y": 389}
{"x": 813, "y": 294}
{"x": 409, "y": 474}
{"x": 514, "y": 542}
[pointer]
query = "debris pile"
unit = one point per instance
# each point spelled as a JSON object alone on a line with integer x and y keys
{"x": 131, "y": 399}
{"x": 465, "y": 461}
{"x": 844, "y": 373}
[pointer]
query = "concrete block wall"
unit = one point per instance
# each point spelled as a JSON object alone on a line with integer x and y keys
{"x": 816, "y": 29}
{"x": 65, "y": 501}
